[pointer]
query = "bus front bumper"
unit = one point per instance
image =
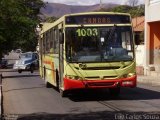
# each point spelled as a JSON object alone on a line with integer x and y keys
{"x": 82, "y": 84}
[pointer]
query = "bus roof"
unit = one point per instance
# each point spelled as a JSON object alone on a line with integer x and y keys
{"x": 47, "y": 26}
{"x": 92, "y": 13}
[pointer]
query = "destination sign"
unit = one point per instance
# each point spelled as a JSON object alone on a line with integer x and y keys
{"x": 98, "y": 19}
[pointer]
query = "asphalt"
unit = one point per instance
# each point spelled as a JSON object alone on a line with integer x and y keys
{"x": 149, "y": 80}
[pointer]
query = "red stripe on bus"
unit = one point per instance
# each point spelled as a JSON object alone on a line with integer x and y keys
{"x": 47, "y": 62}
{"x": 78, "y": 84}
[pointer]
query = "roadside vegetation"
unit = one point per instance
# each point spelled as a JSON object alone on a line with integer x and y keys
{"x": 134, "y": 11}
{"x": 18, "y": 20}
{"x": 131, "y": 6}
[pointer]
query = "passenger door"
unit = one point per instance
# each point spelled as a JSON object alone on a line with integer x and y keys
{"x": 61, "y": 59}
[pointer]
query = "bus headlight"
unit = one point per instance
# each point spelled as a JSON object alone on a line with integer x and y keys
{"x": 128, "y": 75}
{"x": 73, "y": 77}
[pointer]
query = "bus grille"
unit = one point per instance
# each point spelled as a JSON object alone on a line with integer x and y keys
{"x": 101, "y": 68}
{"x": 93, "y": 77}
{"x": 97, "y": 77}
{"x": 109, "y": 77}
{"x": 101, "y": 84}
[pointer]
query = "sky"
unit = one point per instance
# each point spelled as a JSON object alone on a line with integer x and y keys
{"x": 88, "y": 2}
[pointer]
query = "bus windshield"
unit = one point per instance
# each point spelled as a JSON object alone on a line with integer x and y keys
{"x": 99, "y": 44}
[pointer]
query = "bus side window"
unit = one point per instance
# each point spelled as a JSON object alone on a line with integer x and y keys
{"x": 48, "y": 41}
{"x": 44, "y": 43}
{"x": 56, "y": 42}
{"x": 51, "y": 41}
{"x": 61, "y": 36}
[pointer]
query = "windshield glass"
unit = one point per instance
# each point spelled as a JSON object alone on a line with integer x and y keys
{"x": 99, "y": 44}
{"x": 26, "y": 55}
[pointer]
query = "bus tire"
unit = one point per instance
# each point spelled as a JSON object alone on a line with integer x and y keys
{"x": 47, "y": 84}
{"x": 63, "y": 93}
{"x": 114, "y": 92}
{"x": 57, "y": 81}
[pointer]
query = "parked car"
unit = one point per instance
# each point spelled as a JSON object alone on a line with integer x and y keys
{"x": 3, "y": 63}
{"x": 28, "y": 62}
{"x": 18, "y": 51}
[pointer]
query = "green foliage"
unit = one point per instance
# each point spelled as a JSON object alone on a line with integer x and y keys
{"x": 51, "y": 19}
{"x": 137, "y": 11}
{"x": 133, "y": 10}
{"x": 18, "y": 20}
{"x": 122, "y": 9}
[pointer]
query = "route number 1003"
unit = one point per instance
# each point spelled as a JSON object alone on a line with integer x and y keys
{"x": 87, "y": 32}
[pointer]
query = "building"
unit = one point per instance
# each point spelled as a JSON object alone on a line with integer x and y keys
{"x": 152, "y": 37}
{"x": 138, "y": 29}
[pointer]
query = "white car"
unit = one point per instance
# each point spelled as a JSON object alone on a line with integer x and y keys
{"x": 18, "y": 51}
{"x": 28, "y": 62}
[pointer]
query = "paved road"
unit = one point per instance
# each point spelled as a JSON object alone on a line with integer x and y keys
{"x": 25, "y": 98}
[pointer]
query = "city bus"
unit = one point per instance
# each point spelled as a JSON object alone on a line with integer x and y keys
{"x": 93, "y": 50}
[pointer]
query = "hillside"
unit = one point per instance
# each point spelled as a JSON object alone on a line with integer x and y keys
{"x": 57, "y": 9}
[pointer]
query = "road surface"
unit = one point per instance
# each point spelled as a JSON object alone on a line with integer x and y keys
{"x": 25, "y": 98}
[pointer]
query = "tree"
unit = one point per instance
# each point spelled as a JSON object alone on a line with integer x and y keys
{"x": 132, "y": 3}
{"x": 18, "y": 20}
{"x": 121, "y": 9}
{"x": 51, "y": 19}
{"x": 133, "y": 11}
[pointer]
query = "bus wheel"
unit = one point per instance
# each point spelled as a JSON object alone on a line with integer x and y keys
{"x": 57, "y": 81}
{"x": 20, "y": 71}
{"x": 47, "y": 84}
{"x": 63, "y": 93}
{"x": 114, "y": 92}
